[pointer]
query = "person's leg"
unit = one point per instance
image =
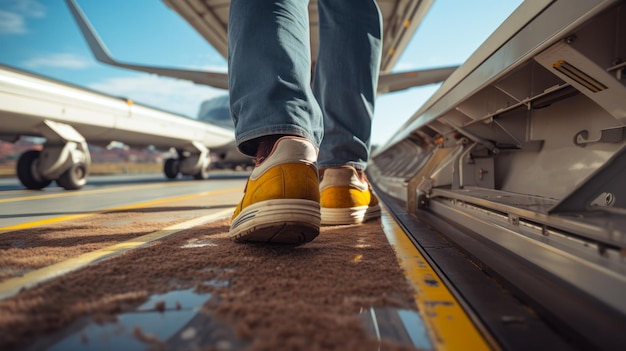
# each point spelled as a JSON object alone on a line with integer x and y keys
{"x": 269, "y": 65}
{"x": 276, "y": 119}
{"x": 346, "y": 78}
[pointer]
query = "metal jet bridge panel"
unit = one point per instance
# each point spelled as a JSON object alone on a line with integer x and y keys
{"x": 519, "y": 160}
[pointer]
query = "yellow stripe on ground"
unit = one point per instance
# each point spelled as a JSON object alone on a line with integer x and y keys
{"x": 93, "y": 191}
{"x": 90, "y": 192}
{"x": 79, "y": 193}
{"x": 45, "y": 221}
{"x": 449, "y": 326}
{"x": 12, "y": 286}
{"x": 121, "y": 208}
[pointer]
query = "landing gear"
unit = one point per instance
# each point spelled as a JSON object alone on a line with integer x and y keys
{"x": 66, "y": 164}
{"x": 64, "y": 158}
{"x": 192, "y": 161}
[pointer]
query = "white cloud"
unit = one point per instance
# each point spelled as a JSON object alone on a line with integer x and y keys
{"x": 30, "y": 8}
{"x": 62, "y": 60}
{"x": 177, "y": 96}
{"x": 14, "y": 13}
{"x": 11, "y": 23}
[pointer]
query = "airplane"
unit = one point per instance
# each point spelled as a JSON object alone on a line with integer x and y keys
{"x": 68, "y": 117}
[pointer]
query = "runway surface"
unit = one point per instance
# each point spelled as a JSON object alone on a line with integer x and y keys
{"x": 20, "y": 207}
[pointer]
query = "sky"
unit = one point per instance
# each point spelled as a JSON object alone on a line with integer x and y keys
{"x": 41, "y": 36}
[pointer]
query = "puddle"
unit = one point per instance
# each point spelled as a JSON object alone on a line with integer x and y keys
{"x": 402, "y": 326}
{"x": 175, "y": 300}
{"x": 173, "y": 320}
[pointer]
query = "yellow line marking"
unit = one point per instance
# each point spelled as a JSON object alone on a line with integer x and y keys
{"x": 13, "y": 286}
{"x": 89, "y": 192}
{"x": 43, "y": 222}
{"x": 121, "y": 208}
{"x": 449, "y": 327}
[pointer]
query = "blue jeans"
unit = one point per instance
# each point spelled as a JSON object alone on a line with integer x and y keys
{"x": 269, "y": 64}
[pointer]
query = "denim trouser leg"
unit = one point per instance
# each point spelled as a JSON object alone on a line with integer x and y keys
{"x": 270, "y": 71}
{"x": 346, "y": 78}
{"x": 269, "y": 80}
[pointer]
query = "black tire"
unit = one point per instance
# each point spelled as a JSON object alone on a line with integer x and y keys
{"x": 27, "y": 172}
{"x": 74, "y": 178}
{"x": 170, "y": 168}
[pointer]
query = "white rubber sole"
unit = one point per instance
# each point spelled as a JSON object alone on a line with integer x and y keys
{"x": 282, "y": 221}
{"x": 352, "y": 215}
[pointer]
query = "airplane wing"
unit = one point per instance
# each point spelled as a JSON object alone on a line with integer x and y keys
{"x": 390, "y": 82}
{"x": 401, "y": 18}
{"x": 102, "y": 54}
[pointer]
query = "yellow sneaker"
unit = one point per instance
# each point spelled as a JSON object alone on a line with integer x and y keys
{"x": 281, "y": 200}
{"x": 346, "y": 197}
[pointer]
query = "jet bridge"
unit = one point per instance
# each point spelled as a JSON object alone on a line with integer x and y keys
{"x": 519, "y": 160}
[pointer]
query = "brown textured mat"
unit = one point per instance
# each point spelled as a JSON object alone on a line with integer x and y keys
{"x": 24, "y": 250}
{"x": 275, "y": 298}
{"x": 27, "y": 249}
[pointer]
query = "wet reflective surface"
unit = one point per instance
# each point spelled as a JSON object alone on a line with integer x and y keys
{"x": 175, "y": 320}
{"x": 401, "y": 326}
{"x": 166, "y": 321}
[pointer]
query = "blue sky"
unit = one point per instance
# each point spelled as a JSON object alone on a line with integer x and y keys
{"x": 42, "y": 37}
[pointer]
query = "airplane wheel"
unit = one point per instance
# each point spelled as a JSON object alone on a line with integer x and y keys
{"x": 27, "y": 171}
{"x": 170, "y": 168}
{"x": 74, "y": 178}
